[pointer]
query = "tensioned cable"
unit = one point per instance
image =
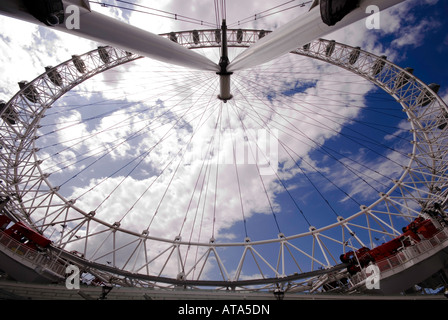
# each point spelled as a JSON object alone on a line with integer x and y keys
{"x": 252, "y": 153}
{"x": 121, "y": 123}
{"x": 285, "y": 119}
{"x": 172, "y": 177}
{"x": 114, "y": 126}
{"x": 264, "y": 124}
{"x": 238, "y": 180}
{"x": 206, "y": 164}
{"x": 148, "y": 152}
{"x": 145, "y": 154}
{"x": 217, "y": 14}
{"x": 200, "y": 172}
{"x": 160, "y": 13}
{"x": 278, "y": 178}
{"x": 218, "y": 126}
{"x": 267, "y": 13}
{"x": 326, "y": 150}
{"x": 161, "y": 83}
{"x": 220, "y": 12}
{"x": 285, "y": 147}
{"x": 116, "y": 143}
{"x": 303, "y": 103}
{"x": 372, "y": 96}
{"x": 139, "y": 133}
{"x": 303, "y": 72}
{"x": 257, "y": 83}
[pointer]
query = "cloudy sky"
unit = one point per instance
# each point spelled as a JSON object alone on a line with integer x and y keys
{"x": 149, "y": 145}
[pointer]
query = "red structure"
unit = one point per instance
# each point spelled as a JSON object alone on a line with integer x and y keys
{"x": 416, "y": 231}
{"x": 23, "y": 234}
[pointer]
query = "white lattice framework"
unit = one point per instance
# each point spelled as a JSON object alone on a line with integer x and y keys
{"x": 33, "y": 199}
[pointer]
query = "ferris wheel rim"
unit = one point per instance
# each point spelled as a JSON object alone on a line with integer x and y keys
{"x": 281, "y": 236}
{"x": 215, "y": 244}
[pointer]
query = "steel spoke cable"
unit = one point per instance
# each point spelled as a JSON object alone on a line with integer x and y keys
{"x": 207, "y": 164}
{"x": 89, "y": 154}
{"x": 324, "y": 149}
{"x": 328, "y": 75}
{"x": 103, "y": 155}
{"x": 271, "y": 72}
{"x": 201, "y": 175}
{"x": 258, "y": 168}
{"x": 237, "y": 176}
{"x": 205, "y": 187}
{"x": 323, "y": 176}
{"x": 147, "y": 153}
{"x": 74, "y": 123}
{"x": 117, "y": 125}
{"x": 357, "y": 133}
{"x": 321, "y": 146}
{"x": 141, "y": 157}
{"x": 380, "y": 110}
{"x": 168, "y": 73}
{"x": 276, "y": 174}
{"x": 172, "y": 177}
{"x": 266, "y": 13}
{"x": 160, "y": 13}
{"x": 266, "y": 126}
{"x": 128, "y": 105}
{"x": 219, "y": 128}
{"x": 204, "y": 160}
{"x": 162, "y": 82}
{"x": 176, "y": 16}
{"x": 348, "y": 167}
{"x": 217, "y": 15}
{"x": 93, "y": 152}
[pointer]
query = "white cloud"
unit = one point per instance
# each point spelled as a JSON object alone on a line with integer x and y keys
{"x": 413, "y": 35}
{"x": 314, "y": 113}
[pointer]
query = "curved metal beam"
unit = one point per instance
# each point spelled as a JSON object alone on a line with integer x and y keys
{"x": 185, "y": 282}
{"x": 107, "y": 30}
{"x": 318, "y": 50}
{"x": 211, "y": 38}
{"x": 299, "y": 32}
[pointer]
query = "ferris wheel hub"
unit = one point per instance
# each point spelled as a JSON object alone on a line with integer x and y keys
{"x": 224, "y": 88}
{"x": 224, "y": 75}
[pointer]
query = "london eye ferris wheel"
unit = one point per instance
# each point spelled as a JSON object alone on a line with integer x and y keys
{"x": 224, "y": 157}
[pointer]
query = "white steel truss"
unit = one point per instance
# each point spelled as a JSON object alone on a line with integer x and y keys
{"x": 35, "y": 200}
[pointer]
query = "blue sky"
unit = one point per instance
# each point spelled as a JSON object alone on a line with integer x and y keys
{"x": 335, "y": 108}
